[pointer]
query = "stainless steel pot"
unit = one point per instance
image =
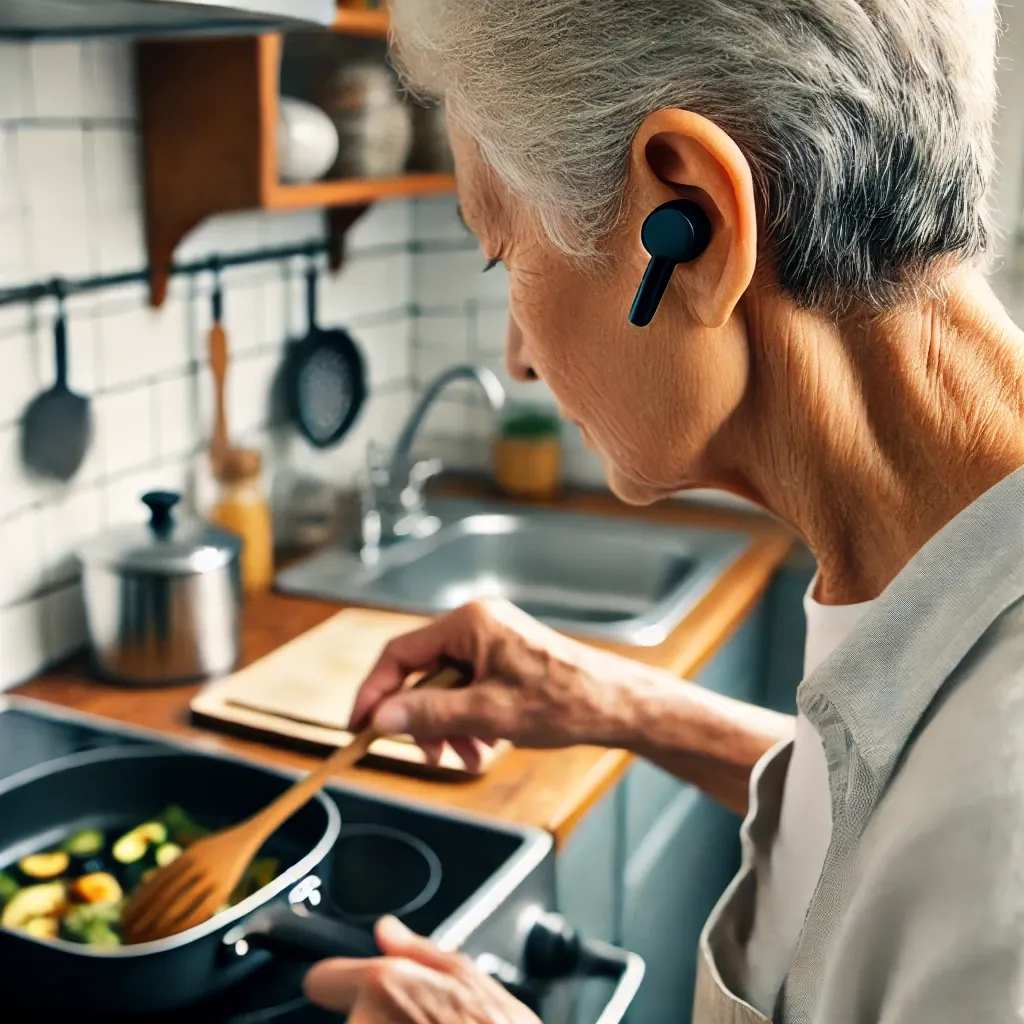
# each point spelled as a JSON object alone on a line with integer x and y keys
{"x": 163, "y": 601}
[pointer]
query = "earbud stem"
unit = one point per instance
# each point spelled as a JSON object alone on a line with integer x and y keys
{"x": 651, "y": 291}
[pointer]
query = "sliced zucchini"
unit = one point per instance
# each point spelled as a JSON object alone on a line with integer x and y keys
{"x": 99, "y": 887}
{"x": 132, "y": 846}
{"x": 41, "y": 866}
{"x": 46, "y": 900}
{"x": 85, "y": 843}
{"x": 93, "y": 924}
{"x": 181, "y": 828}
{"x": 168, "y": 853}
{"x": 47, "y": 928}
{"x": 8, "y": 887}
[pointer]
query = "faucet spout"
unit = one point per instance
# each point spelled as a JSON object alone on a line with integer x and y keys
{"x": 488, "y": 382}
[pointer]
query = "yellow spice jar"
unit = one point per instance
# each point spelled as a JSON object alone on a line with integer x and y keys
{"x": 243, "y": 509}
{"x": 528, "y": 454}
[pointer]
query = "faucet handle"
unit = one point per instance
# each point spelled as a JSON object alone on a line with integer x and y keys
{"x": 424, "y": 470}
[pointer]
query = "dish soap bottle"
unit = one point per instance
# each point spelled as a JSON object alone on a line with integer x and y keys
{"x": 242, "y": 508}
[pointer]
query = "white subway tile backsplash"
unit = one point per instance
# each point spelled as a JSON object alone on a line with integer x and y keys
{"x": 15, "y": 81}
{"x": 368, "y": 285}
{"x": 177, "y": 416}
{"x": 386, "y": 349}
{"x": 64, "y": 629}
{"x": 387, "y": 223}
{"x": 19, "y": 382}
{"x": 59, "y": 245}
{"x": 124, "y": 421}
{"x": 20, "y": 556}
{"x": 11, "y": 192}
{"x": 115, "y": 170}
{"x": 18, "y": 490}
{"x": 22, "y": 642}
{"x": 438, "y": 220}
{"x": 118, "y": 242}
{"x": 439, "y": 342}
{"x": 491, "y": 329}
{"x": 249, "y": 387}
{"x": 68, "y": 522}
{"x": 444, "y": 280}
{"x": 51, "y": 164}
{"x": 58, "y": 83}
{"x": 109, "y": 78}
{"x": 13, "y": 249}
{"x": 140, "y": 342}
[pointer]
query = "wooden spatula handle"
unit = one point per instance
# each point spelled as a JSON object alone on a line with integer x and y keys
{"x": 271, "y": 817}
{"x": 218, "y": 349}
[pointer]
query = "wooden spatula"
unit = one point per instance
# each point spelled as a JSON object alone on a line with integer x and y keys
{"x": 191, "y": 889}
{"x": 217, "y": 343}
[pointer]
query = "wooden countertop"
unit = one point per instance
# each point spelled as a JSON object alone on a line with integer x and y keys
{"x": 549, "y": 789}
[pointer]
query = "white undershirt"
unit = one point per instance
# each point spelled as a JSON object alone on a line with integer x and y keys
{"x": 805, "y": 825}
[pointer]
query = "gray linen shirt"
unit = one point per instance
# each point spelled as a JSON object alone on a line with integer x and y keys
{"x": 918, "y": 915}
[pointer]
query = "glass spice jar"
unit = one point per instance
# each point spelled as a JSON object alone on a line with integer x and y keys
{"x": 242, "y": 508}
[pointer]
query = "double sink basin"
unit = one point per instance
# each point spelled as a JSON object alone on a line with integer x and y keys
{"x": 606, "y": 578}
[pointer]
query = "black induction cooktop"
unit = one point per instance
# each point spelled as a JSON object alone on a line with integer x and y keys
{"x": 485, "y": 888}
{"x": 449, "y": 864}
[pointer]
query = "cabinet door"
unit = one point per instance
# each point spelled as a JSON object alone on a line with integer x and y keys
{"x": 588, "y": 875}
{"x": 672, "y": 883}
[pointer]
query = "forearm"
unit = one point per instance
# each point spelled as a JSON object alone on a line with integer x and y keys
{"x": 703, "y": 738}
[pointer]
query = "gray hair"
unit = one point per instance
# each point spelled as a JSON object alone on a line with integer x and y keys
{"x": 867, "y": 123}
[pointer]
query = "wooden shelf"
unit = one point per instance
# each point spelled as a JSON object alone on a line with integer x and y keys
{"x": 209, "y": 111}
{"x": 372, "y": 24}
{"x": 357, "y": 191}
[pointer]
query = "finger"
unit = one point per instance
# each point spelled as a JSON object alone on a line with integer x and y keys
{"x": 469, "y": 749}
{"x": 418, "y": 650}
{"x": 433, "y": 749}
{"x": 395, "y": 939}
{"x": 335, "y": 984}
{"x": 479, "y": 710}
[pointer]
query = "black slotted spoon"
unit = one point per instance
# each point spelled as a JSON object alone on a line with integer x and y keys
{"x": 57, "y": 425}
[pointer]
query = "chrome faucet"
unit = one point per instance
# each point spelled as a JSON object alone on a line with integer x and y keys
{"x": 393, "y": 500}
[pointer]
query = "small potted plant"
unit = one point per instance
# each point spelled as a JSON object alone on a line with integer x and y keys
{"x": 528, "y": 453}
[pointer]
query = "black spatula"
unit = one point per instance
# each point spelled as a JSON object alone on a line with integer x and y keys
{"x": 57, "y": 425}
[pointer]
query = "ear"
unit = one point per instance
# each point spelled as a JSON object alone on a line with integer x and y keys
{"x": 678, "y": 154}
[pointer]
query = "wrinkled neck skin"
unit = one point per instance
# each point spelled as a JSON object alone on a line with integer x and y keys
{"x": 869, "y": 434}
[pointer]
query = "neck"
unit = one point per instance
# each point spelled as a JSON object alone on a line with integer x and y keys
{"x": 869, "y": 434}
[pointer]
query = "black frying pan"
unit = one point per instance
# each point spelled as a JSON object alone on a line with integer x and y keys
{"x": 324, "y": 379}
{"x": 124, "y": 786}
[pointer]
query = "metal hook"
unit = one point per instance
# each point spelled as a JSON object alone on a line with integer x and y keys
{"x": 217, "y": 299}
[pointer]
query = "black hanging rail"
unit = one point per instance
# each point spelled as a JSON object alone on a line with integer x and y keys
{"x": 77, "y": 286}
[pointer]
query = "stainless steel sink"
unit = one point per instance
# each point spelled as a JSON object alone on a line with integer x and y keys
{"x": 603, "y": 577}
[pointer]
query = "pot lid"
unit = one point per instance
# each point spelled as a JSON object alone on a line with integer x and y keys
{"x": 167, "y": 545}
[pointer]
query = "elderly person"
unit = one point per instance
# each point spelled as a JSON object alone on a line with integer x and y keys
{"x": 831, "y": 352}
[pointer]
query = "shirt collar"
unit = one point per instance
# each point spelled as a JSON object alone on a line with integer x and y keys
{"x": 882, "y": 678}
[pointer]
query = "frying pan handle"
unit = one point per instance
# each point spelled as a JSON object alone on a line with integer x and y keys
{"x": 295, "y": 933}
{"x": 312, "y": 278}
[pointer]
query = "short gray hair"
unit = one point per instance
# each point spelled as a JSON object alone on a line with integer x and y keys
{"x": 867, "y": 123}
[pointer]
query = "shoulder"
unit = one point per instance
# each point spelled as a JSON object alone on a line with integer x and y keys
{"x": 934, "y": 930}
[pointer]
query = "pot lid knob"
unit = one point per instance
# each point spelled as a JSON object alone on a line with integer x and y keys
{"x": 160, "y": 504}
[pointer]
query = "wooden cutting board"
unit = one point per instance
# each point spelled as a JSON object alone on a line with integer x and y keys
{"x": 304, "y": 691}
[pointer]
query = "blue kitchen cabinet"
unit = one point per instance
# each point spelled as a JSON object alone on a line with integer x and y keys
{"x": 646, "y": 866}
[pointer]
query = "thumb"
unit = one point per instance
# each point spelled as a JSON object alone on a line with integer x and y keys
{"x": 395, "y": 939}
{"x": 438, "y": 714}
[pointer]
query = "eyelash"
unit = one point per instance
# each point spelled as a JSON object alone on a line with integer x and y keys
{"x": 491, "y": 264}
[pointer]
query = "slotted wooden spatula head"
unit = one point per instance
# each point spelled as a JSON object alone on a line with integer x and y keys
{"x": 191, "y": 889}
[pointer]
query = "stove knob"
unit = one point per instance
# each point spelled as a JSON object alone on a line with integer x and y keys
{"x": 552, "y": 948}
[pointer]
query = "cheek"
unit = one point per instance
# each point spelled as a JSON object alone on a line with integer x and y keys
{"x": 650, "y": 400}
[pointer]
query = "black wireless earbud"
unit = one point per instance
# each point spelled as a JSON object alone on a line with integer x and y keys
{"x": 675, "y": 232}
